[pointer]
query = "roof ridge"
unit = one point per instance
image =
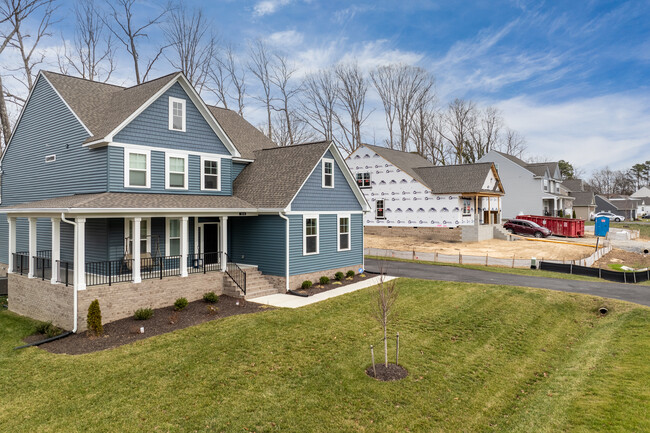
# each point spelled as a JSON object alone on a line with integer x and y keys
{"x": 295, "y": 145}
{"x": 83, "y": 79}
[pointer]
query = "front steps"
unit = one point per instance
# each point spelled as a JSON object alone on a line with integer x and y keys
{"x": 256, "y": 285}
{"x": 501, "y": 233}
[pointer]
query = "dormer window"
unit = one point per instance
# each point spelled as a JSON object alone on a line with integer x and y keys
{"x": 328, "y": 173}
{"x": 177, "y": 114}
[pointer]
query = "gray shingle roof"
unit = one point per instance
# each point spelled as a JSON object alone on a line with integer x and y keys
{"x": 574, "y": 185}
{"x": 513, "y": 158}
{"x": 585, "y": 198}
{"x": 277, "y": 174}
{"x": 246, "y": 138}
{"x": 454, "y": 179}
{"x": 124, "y": 200}
{"x": 405, "y": 161}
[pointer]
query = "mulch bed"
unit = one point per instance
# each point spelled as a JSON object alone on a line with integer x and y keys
{"x": 164, "y": 320}
{"x": 387, "y": 374}
{"x": 333, "y": 284}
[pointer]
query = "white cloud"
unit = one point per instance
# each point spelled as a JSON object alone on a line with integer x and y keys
{"x": 285, "y": 39}
{"x": 267, "y": 7}
{"x": 592, "y": 132}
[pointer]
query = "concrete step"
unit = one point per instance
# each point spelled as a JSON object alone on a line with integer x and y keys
{"x": 252, "y": 295}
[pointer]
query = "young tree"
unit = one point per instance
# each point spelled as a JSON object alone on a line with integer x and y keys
{"x": 386, "y": 295}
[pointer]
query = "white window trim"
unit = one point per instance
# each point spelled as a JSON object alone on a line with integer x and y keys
{"x": 145, "y": 152}
{"x": 176, "y": 155}
{"x": 383, "y": 217}
{"x": 369, "y": 179}
{"x": 323, "y": 162}
{"x": 338, "y": 232}
{"x": 126, "y": 232}
{"x": 168, "y": 238}
{"x": 171, "y": 113}
{"x": 304, "y": 234}
{"x": 218, "y": 160}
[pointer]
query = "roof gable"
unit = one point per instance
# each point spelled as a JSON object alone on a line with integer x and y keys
{"x": 463, "y": 178}
{"x": 405, "y": 161}
{"x": 246, "y": 138}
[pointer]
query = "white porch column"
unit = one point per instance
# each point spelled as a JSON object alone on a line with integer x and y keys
{"x": 12, "y": 243}
{"x": 137, "y": 261}
{"x": 32, "y": 247}
{"x": 56, "y": 248}
{"x": 80, "y": 256}
{"x": 223, "y": 238}
{"x": 185, "y": 244}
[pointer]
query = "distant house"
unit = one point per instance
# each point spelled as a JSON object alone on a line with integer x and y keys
{"x": 584, "y": 204}
{"x": 619, "y": 205}
{"x": 643, "y": 194}
{"x": 532, "y": 188}
{"x": 405, "y": 190}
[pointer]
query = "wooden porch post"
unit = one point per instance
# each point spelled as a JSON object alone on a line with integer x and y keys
{"x": 33, "y": 235}
{"x": 136, "y": 253}
{"x": 185, "y": 245}
{"x": 12, "y": 243}
{"x": 477, "y": 219}
{"x": 56, "y": 248}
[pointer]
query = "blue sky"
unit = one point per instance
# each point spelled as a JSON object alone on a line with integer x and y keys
{"x": 572, "y": 76}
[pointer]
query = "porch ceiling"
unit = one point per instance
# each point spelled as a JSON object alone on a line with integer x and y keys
{"x": 134, "y": 203}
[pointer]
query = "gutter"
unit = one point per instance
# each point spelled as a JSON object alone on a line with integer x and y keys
{"x": 75, "y": 284}
{"x": 286, "y": 218}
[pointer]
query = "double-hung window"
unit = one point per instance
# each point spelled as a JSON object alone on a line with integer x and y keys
{"x": 467, "y": 207}
{"x": 379, "y": 210}
{"x": 344, "y": 233}
{"x": 210, "y": 178}
{"x": 363, "y": 180}
{"x": 545, "y": 184}
{"x": 310, "y": 235}
{"x": 173, "y": 236}
{"x": 136, "y": 169}
{"x": 177, "y": 114}
{"x": 145, "y": 235}
{"x": 176, "y": 174}
{"x": 328, "y": 173}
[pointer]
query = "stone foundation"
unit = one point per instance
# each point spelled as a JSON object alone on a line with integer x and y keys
{"x": 43, "y": 301}
{"x": 3, "y": 269}
{"x": 295, "y": 281}
{"x": 445, "y": 234}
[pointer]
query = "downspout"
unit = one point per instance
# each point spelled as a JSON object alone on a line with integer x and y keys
{"x": 286, "y": 218}
{"x": 76, "y": 271}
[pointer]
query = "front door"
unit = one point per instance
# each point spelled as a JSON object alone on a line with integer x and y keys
{"x": 211, "y": 243}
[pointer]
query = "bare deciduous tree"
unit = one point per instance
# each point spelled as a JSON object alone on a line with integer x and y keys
{"x": 91, "y": 54}
{"x": 386, "y": 295}
{"x": 353, "y": 87}
{"x": 193, "y": 45}
{"x": 455, "y": 129}
{"x": 484, "y": 136}
{"x": 425, "y": 137}
{"x": 513, "y": 143}
{"x": 125, "y": 29}
{"x": 281, "y": 78}
{"x": 260, "y": 66}
{"x": 319, "y": 102}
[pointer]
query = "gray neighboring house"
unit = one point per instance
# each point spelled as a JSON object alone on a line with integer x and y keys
{"x": 642, "y": 194}
{"x": 620, "y": 205}
{"x": 585, "y": 201}
{"x": 532, "y": 189}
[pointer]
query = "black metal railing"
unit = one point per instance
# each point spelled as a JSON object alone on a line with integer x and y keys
{"x": 42, "y": 267}
{"x": 44, "y": 253}
{"x": 203, "y": 262}
{"x": 109, "y": 272}
{"x": 159, "y": 267}
{"x": 21, "y": 263}
{"x": 65, "y": 272}
{"x": 236, "y": 274}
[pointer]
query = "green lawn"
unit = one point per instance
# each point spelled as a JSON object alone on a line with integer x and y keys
{"x": 644, "y": 229}
{"x": 481, "y": 359}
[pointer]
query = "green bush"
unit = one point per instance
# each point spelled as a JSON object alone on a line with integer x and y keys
{"x": 350, "y": 273}
{"x": 143, "y": 314}
{"x": 339, "y": 276}
{"x": 94, "y": 319}
{"x": 180, "y": 304}
{"x": 210, "y": 297}
{"x": 324, "y": 280}
{"x": 47, "y": 329}
{"x": 306, "y": 284}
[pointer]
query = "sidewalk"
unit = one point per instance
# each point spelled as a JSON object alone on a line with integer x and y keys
{"x": 293, "y": 301}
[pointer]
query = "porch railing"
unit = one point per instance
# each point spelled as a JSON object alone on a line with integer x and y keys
{"x": 65, "y": 272}
{"x": 236, "y": 274}
{"x": 44, "y": 253}
{"x": 42, "y": 268}
{"x": 21, "y": 263}
{"x": 203, "y": 262}
{"x": 159, "y": 267}
{"x": 109, "y": 272}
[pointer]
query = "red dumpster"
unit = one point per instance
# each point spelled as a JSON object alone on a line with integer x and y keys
{"x": 569, "y": 227}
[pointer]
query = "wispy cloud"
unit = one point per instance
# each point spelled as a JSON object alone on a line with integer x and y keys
{"x": 267, "y": 7}
{"x": 285, "y": 39}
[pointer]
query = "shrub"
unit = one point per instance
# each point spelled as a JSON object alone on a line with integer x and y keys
{"x": 94, "y": 319}
{"x": 210, "y": 297}
{"x": 306, "y": 284}
{"x": 143, "y": 314}
{"x": 339, "y": 276}
{"x": 350, "y": 273}
{"x": 324, "y": 280}
{"x": 180, "y": 304}
{"x": 47, "y": 329}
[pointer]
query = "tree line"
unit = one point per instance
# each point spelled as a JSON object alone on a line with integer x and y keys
{"x": 621, "y": 182}
{"x": 328, "y": 104}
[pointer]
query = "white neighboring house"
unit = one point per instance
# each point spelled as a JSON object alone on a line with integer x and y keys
{"x": 406, "y": 190}
{"x": 533, "y": 189}
{"x": 643, "y": 194}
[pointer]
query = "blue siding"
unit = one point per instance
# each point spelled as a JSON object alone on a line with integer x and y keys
{"x": 328, "y": 257}
{"x": 237, "y": 168}
{"x": 312, "y": 196}
{"x": 151, "y": 127}
{"x": 259, "y": 241}
{"x": 116, "y": 158}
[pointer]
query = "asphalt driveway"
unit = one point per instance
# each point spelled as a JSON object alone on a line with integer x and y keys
{"x": 625, "y": 292}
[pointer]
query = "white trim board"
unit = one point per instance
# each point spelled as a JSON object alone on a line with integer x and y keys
{"x": 167, "y": 149}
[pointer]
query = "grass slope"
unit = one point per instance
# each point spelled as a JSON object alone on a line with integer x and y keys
{"x": 481, "y": 358}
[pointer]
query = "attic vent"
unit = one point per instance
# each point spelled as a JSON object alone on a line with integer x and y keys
{"x": 50, "y": 158}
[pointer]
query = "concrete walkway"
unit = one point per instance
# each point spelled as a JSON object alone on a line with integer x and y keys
{"x": 293, "y": 301}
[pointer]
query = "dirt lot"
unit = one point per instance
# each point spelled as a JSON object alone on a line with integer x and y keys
{"x": 522, "y": 249}
{"x": 622, "y": 257}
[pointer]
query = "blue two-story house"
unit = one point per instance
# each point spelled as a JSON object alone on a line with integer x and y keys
{"x": 138, "y": 196}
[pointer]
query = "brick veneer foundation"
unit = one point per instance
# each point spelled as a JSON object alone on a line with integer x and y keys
{"x": 41, "y": 300}
{"x": 295, "y": 281}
